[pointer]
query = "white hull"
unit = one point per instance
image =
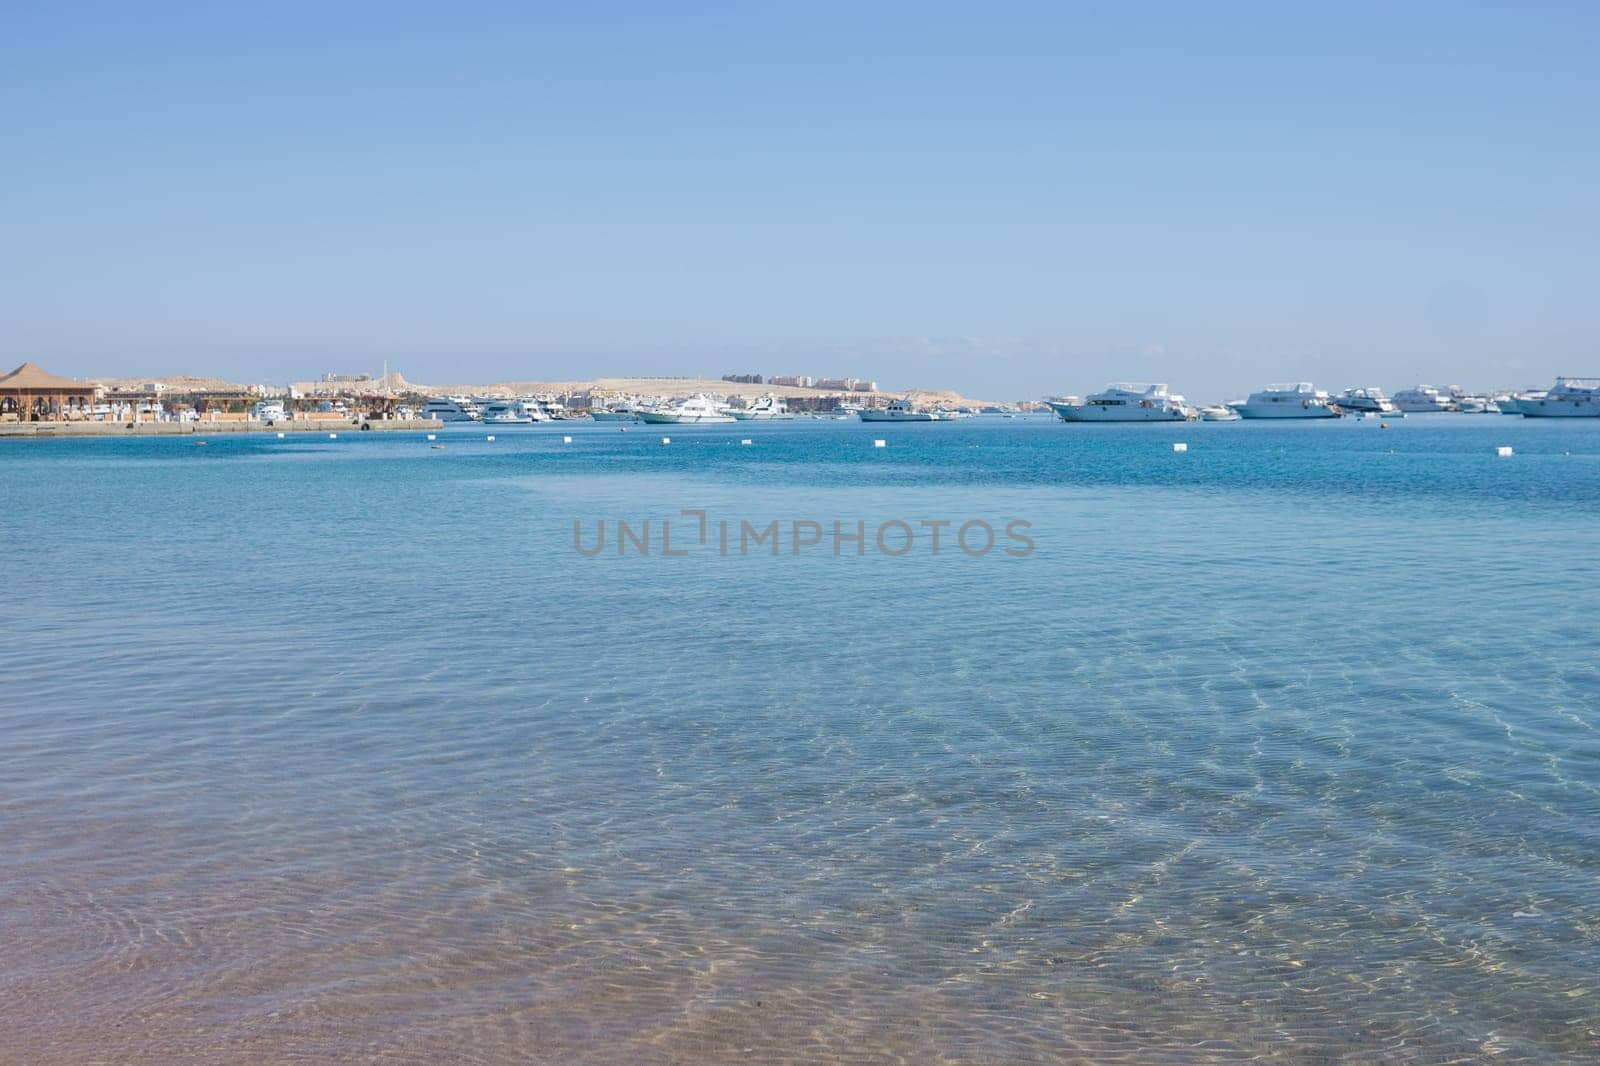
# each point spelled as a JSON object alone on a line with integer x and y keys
{"x": 1070, "y": 412}
{"x": 613, "y": 416}
{"x": 1284, "y": 411}
{"x": 1585, "y": 408}
{"x": 673, "y": 418}
{"x": 761, "y": 416}
{"x": 896, "y": 416}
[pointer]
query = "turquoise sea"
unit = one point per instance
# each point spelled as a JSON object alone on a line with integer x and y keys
{"x": 1282, "y": 749}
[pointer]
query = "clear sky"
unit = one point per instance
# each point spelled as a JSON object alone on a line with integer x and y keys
{"x": 1010, "y": 199}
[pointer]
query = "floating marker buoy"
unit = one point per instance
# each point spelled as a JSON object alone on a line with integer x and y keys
{"x": 1502, "y": 451}
{"x": 489, "y": 437}
{"x": 431, "y": 436}
{"x": 566, "y": 440}
{"x": 880, "y": 444}
{"x": 1179, "y": 446}
{"x": 744, "y": 440}
{"x": 624, "y": 429}
{"x": 666, "y": 440}
{"x": 333, "y": 436}
{"x": 1383, "y": 425}
{"x": 280, "y": 436}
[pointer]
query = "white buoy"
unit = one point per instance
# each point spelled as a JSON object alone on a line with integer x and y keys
{"x": 880, "y": 444}
{"x": 666, "y": 440}
{"x": 333, "y": 436}
{"x": 744, "y": 440}
{"x": 566, "y": 440}
{"x": 1502, "y": 451}
{"x": 280, "y": 436}
{"x": 1179, "y": 446}
{"x": 431, "y": 436}
{"x": 489, "y": 437}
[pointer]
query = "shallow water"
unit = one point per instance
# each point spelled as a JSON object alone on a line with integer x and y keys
{"x": 1284, "y": 748}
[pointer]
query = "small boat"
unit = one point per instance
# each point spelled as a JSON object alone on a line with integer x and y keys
{"x": 1218, "y": 413}
{"x": 616, "y": 412}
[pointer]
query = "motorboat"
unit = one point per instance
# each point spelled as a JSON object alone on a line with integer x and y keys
{"x": 1367, "y": 401}
{"x": 696, "y": 409}
{"x": 1125, "y": 403}
{"x": 899, "y": 410}
{"x": 1218, "y": 413}
{"x": 1301, "y": 400}
{"x": 507, "y": 413}
{"x": 767, "y": 409}
{"x": 269, "y": 411}
{"x": 1567, "y": 398}
{"x": 1421, "y": 399}
{"x": 449, "y": 409}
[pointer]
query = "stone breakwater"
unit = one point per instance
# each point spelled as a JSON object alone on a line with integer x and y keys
{"x": 204, "y": 429}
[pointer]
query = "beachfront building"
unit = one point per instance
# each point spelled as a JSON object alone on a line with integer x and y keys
{"x": 30, "y": 394}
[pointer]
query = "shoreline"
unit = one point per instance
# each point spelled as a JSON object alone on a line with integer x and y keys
{"x": 45, "y": 430}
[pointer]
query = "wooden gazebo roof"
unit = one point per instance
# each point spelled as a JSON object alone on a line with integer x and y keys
{"x": 30, "y": 378}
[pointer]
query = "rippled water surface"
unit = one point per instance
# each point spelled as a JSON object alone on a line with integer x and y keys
{"x": 1283, "y": 748}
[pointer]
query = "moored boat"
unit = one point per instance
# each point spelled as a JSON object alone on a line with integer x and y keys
{"x": 899, "y": 410}
{"x": 1567, "y": 398}
{"x": 449, "y": 409}
{"x": 696, "y": 409}
{"x": 767, "y": 409}
{"x": 1423, "y": 399}
{"x": 1300, "y": 400}
{"x": 1125, "y": 403}
{"x": 1366, "y": 400}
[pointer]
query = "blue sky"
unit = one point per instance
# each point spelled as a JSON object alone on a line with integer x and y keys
{"x": 1009, "y": 199}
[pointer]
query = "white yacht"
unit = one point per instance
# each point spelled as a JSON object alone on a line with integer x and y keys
{"x": 700, "y": 408}
{"x": 1287, "y": 401}
{"x": 1218, "y": 413}
{"x": 535, "y": 408}
{"x": 508, "y": 413}
{"x": 1369, "y": 401}
{"x": 1424, "y": 398}
{"x": 269, "y": 411}
{"x": 899, "y": 410}
{"x": 615, "y": 412}
{"x": 1511, "y": 404}
{"x": 767, "y": 409}
{"x": 1567, "y": 398}
{"x": 1125, "y": 403}
{"x": 1472, "y": 405}
{"x": 449, "y": 409}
